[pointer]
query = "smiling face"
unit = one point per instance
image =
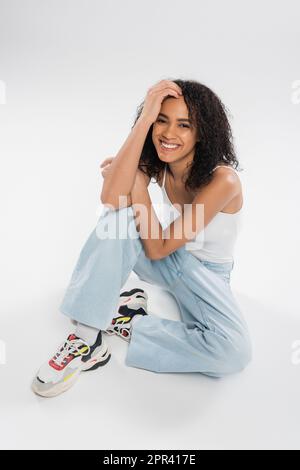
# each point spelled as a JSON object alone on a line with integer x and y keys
{"x": 173, "y": 127}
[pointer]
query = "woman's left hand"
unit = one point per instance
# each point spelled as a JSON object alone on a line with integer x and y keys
{"x": 140, "y": 179}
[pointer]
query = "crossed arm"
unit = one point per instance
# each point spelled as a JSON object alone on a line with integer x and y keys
{"x": 206, "y": 204}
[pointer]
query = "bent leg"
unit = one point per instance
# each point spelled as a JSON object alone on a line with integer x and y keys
{"x": 212, "y": 337}
{"x": 105, "y": 262}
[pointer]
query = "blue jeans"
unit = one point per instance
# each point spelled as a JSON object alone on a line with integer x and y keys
{"x": 212, "y": 337}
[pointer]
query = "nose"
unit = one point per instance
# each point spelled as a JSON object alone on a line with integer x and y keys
{"x": 169, "y": 134}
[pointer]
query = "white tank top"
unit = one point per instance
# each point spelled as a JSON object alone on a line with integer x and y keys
{"x": 217, "y": 240}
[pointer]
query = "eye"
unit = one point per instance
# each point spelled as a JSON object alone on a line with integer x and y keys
{"x": 161, "y": 120}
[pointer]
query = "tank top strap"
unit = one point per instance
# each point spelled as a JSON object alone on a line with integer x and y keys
{"x": 164, "y": 178}
{"x": 227, "y": 166}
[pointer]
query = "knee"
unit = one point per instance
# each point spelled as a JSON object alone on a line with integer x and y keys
{"x": 243, "y": 350}
{"x": 117, "y": 224}
{"x": 236, "y": 355}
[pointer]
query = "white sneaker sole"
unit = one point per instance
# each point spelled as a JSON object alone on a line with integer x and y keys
{"x": 100, "y": 359}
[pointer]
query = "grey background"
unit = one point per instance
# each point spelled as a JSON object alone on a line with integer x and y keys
{"x": 75, "y": 72}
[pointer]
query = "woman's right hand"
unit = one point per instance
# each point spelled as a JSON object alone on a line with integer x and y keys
{"x": 105, "y": 165}
{"x": 155, "y": 97}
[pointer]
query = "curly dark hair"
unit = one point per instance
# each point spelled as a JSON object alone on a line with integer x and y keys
{"x": 209, "y": 115}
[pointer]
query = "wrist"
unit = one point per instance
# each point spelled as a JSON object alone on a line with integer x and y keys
{"x": 145, "y": 120}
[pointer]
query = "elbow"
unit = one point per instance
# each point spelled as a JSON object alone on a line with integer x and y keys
{"x": 154, "y": 255}
{"x": 106, "y": 197}
{"x": 113, "y": 201}
{"x": 156, "y": 252}
{"x": 108, "y": 202}
{"x": 148, "y": 252}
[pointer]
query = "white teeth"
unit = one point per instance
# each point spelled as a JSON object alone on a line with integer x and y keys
{"x": 168, "y": 146}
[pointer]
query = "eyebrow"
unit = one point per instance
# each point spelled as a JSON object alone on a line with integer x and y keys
{"x": 181, "y": 119}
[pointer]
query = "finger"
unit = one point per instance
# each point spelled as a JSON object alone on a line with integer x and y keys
{"x": 108, "y": 159}
{"x": 104, "y": 162}
{"x": 157, "y": 85}
{"x": 169, "y": 91}
{"x": 174, "y": 85}
{"x": 167, "y": 84}
{"x": 168, "y": 87}
{"x": 105, "y": 168}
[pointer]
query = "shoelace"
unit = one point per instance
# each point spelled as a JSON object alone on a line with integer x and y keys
{"x": 69, "y": 347}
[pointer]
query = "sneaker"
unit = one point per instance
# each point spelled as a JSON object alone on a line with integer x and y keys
{"x": 132, "y": 304}
{"x": 72, "y": 357}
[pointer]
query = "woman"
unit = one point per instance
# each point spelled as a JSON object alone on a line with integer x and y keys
{"x": 182, "y": 138}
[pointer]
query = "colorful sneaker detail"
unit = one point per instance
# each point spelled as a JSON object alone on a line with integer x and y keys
{"x": 132, "y": 304}
{"x": 63, "y": 369}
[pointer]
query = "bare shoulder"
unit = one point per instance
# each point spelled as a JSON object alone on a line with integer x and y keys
{"x": 228, "y": 178}
{"x": 227, "y": 174}
{"x": 221, "y": 176}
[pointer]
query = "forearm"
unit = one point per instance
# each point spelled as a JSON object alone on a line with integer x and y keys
{"x": 148, "y": 225}
{"x": 121, "y": 175}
